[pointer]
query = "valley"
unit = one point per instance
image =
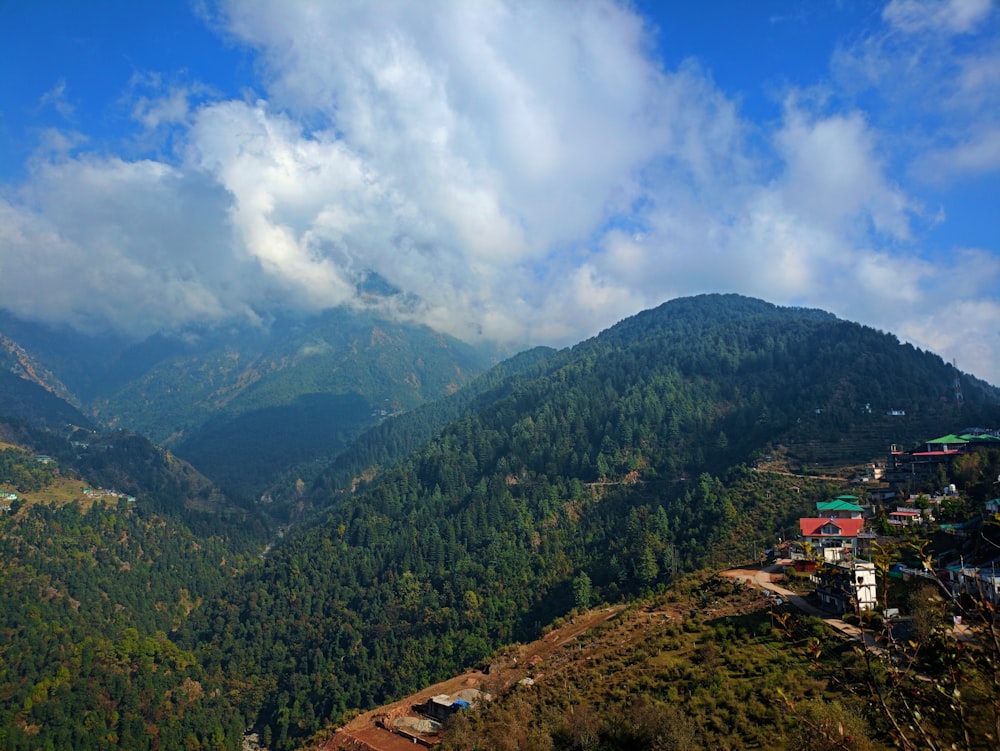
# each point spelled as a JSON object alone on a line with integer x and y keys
{"x": 561, "y": 517}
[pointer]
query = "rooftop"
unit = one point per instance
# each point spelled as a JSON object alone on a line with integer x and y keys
{"x": 837, "y": 505}
{"x": 814, "y": 527}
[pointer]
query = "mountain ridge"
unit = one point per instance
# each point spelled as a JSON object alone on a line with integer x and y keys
{"x": 602, "y": 472}
{"x": 209, "y": 394}
{"x": 618, "y": 463}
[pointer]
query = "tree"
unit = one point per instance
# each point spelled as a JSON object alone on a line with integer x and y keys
{"x": 829, "y": 725}
{"x": 582, "y": 591}
{"x": 927, "y": 610}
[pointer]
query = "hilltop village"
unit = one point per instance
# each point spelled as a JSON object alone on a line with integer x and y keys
{"x": 913, "y": 502}
{"x": 853, "y": 563}
{"x": 27, "y": 478}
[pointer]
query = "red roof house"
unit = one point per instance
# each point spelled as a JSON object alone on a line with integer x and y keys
{"x": 836, "y": 535}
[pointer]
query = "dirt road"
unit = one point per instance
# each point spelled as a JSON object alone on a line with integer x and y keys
{"x": 768, "y": 578}
{"x": 371, "y": 731}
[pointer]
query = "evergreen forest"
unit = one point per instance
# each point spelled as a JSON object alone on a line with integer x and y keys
{"x": 559, "y": 480}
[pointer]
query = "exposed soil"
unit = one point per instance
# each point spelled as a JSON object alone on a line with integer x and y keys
{"x": 767, "y": 578}
{"x": 378, "y": 730}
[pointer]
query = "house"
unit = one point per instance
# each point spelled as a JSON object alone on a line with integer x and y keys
{"x": 837, "y": 538}
{"x": 922, "y": 463}
{"x": 873, "y": 472}
{"x": 441, "y": 707}
{"x": 847, "y": 586}
{"x": 839, "y": 508}
{"x": 977, "y": 581}
{"x": 866, "y": 544}
{"x": 947, "y": 443}
{"x": 905, "y": 517}
{"x": 918, "y": 465}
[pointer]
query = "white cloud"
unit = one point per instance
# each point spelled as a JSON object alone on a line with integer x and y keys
{"x": 933, "y": 69}
{"x": 950, "y": 16}
{"x": 103, "y": 241}
{"x": 523, "y": 171}
{"x": 978, "y": 153}
{"x": 833, "y": 174}
{"x": 155, "y": 102}
{"x": 972, "y": 345}
{"x": 57, "y": 99}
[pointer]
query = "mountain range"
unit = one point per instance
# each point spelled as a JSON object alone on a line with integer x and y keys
{"x": 245, "y": 404}
{"x": 495, "y": 501}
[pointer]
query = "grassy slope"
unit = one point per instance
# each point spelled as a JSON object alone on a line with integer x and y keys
{"x": 699, "y": 666}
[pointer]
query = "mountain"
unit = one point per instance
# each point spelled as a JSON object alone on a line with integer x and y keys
{"x": 64, "y": 361}
{"x": 247, "y": 405}
{"x": 30, "y": 391}
{"x": 610, "y": 468}
{"x": 109, "y": 545}
{"x": 26, "y": 400}
{"x": 132, "y": 465}
{"x": 602, "y": 472}
{"x": 391, "y": 441}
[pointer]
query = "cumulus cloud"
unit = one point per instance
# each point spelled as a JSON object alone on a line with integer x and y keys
{"x": 520, "y": 171}
{"x": 136, "y": 245}
{"x": 833, "y": 173}
{"x": 156, "y": 102}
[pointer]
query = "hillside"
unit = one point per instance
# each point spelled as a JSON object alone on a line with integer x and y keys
{"x": 393, "y": 440}
{"x": 131, "y": 464}
{"x": 605, "y": 472}
{"x": 107, "y": 549}
{"x": 247, "y": 405}
{"x": 698, "y": 667}
{"x": 617, "y": 464}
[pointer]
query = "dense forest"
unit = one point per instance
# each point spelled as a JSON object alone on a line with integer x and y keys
{"x": 91, "y": 591}
{"x": 558, "y": 480}
{"x": 392, "y": 441}
{"x": 87, "y": 603}
{"x": 615, "y": 468}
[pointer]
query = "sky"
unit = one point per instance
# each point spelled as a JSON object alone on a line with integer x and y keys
{"x": 518, "y": 172}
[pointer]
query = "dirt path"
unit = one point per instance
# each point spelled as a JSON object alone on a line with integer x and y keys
{"x": 371, "y": 731}
{"x": 767, "y": 578}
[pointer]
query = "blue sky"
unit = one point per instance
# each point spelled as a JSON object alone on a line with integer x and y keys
{"x": 527, "y": 172}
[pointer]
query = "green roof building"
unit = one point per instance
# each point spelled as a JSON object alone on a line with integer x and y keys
{"x": 838, "y": 508}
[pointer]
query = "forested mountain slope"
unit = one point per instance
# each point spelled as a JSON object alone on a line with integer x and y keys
{"x": 617, "y": 466}
{"x": 247, "y": 404}
{"x": 133, "y": 465}
{"x": 25, "y": 400}
{"x": 393, "y": 440}
{"x": 93, "y": 582}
